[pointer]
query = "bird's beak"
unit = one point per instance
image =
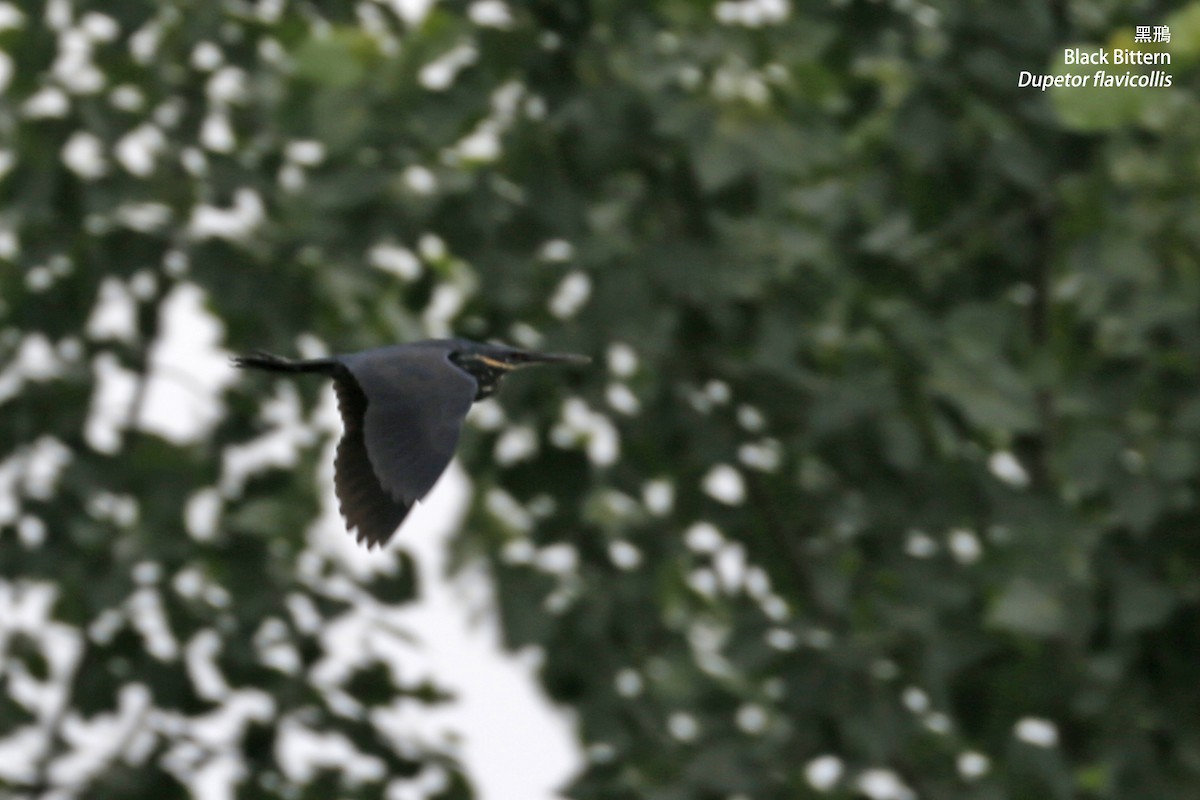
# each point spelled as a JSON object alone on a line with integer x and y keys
{"x": 528, "y": 359}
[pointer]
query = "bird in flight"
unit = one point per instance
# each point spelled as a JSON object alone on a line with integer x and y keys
{"x": 402, "y": 410}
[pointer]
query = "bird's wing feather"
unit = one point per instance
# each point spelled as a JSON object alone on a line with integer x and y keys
{"x": 364, "y": 503}
{"x": 416, "y": 403}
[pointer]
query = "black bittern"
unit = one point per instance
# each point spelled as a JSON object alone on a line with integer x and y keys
{"x": 402, "y": 411}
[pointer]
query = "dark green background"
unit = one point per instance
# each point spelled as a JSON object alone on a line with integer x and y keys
{"x": 842, "y": 238}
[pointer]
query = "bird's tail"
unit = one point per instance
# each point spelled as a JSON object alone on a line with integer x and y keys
{"x": 271, "y": 363}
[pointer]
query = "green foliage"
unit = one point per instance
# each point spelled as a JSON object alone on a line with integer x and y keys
{"x": 902, "y": 364}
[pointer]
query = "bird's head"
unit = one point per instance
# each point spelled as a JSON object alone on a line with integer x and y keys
{"x": 488, "y": 363}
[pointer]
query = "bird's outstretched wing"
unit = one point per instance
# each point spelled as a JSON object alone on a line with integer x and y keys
{"x": 416, "y": 401}
{"x": 368, "y": 509}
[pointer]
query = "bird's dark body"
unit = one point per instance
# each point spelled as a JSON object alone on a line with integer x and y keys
{"x": 402, "y": 408}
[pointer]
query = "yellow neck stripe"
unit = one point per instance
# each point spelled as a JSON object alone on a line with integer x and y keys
{"x": 491, "y": 362}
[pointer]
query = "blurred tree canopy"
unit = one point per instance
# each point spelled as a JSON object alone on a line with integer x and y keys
{"x": 885, "y": 484}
